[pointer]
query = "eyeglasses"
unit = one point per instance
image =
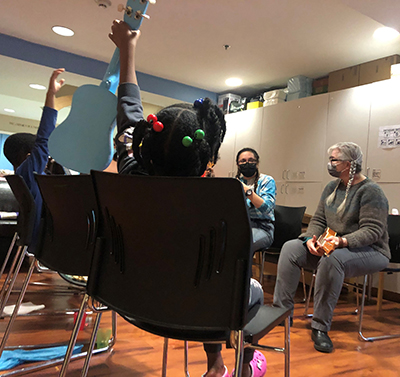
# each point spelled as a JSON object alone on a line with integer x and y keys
{"x": 250, "y": 160}
{"x": 335, "y": 160}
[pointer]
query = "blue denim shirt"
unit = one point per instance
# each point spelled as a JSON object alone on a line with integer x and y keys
{"x": 266, "y": 189}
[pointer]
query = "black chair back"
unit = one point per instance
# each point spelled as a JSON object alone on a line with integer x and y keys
{"x": 27, "y": 209}
{"x": 288, "y": 221}
{"x": 394, "y": 237}
{"x": 173, "y": 254}
{"x": 8, "y": 202}
{"x": 68, "y": 223}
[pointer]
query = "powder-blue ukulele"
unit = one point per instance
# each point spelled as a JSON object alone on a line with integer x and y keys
{"x": 84, "y": 140}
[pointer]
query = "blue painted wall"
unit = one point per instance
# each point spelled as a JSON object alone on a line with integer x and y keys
{"x": 34, "y": 53}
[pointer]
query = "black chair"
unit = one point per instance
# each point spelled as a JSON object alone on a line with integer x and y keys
{"x": 8, "y": 225}
{"x": 173, "y": 258}
{"x": 394, "y": 245}
{"x": 22, "y": 237}
{"x": 288, "y": 222}
{"x": 66, "y": 240}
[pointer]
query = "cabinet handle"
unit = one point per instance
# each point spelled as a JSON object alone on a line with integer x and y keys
{"x": 283, "y": 174}
{"x": 287, "y": 174}
{"x": 282, "y": 186}
{"x": 286, "y": 189}
{"x": 368, "y": 172}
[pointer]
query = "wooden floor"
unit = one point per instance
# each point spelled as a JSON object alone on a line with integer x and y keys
{"x": 137, "y": 353}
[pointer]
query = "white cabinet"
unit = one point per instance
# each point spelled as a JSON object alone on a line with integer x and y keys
{"x": 243, "y": 129}
{"x": 385, "y": 111}
{"x": 348, "y": 120}
{"x": 298, "y": 194}
{"x": 293, "y": 139}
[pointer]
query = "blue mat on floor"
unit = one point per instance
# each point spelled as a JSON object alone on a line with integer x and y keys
{"x": 11, "y": 359}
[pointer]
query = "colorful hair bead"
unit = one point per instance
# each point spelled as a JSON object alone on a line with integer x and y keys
{"x": 198, "y": 103}
{"x": 157, "y": 126}
{"x": 187, "y": 141}
{"x": 199, "y": 134}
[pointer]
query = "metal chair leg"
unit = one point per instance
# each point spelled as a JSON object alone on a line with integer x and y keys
{"x": 92, "y": 343}
{"x": 262, "y": 267}
{"x": 239, "y": 351}
{"x": 10, "y": 249}
{"x": 287, "y": 347}
{"x": 74, "y": 335}
{"x": 186, "y": 358}
{"x": 165, "y": 357}
{"x": 17, "y": 305}
{"x": 12, "y": 276}
{"x": 360, "y": 334}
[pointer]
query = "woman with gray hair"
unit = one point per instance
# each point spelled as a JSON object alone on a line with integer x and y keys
{"x": 356, "y": 209}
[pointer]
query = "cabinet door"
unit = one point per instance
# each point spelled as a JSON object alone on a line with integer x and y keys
{"x": 305, "y": 145}
{"x": 385, "y": 111}
{"x": 248, "y": 129}
{"x": 243, "y": 129}
{"x": 303, "y": 194}
{"x": 293, "y": 139}
{"x": 348, "y": 120}
{"x": 280, "y": 192}
{"x": 274, "y": 135}
{"x": 225, "y": 164}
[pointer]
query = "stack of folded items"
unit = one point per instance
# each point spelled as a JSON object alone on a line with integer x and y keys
{"x": 274, "y": 96}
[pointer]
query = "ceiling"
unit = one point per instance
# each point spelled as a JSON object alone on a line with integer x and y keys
{"x": 270, "y": 41}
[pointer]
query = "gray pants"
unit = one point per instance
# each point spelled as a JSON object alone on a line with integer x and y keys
{"x": 331, "y": 271}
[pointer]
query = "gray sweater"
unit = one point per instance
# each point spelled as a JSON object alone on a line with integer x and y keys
{"x": 363, "y": 221}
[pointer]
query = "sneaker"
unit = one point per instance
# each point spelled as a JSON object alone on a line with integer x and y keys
{"x": 226, "y": 374}
{"x": 258, "y": 365}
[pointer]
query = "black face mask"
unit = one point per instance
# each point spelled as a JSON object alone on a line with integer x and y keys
{"x": 333, "y": 172}
{"x": 248, "y": 169}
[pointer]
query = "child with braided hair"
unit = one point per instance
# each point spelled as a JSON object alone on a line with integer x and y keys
{"x": 356, "y": 209}
{"x": 180, "y": 140}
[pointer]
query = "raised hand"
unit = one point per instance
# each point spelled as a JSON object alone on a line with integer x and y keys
{"x": 54, "y": 87}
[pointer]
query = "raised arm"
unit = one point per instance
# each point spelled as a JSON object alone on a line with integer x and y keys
{"x": 54, "y": 87}
{"x": 125, "y": 39}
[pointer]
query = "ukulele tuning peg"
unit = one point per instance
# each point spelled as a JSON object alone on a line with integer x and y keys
{"x": 120, "y": 8}
{"x": 152, "y": 1}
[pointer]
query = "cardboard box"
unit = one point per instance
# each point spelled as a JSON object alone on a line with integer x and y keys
{"x": 320, "y": 90}
{"x": 254, "y": 105}
{"x": 377, "y": 70}
{"x": 344, "y": 78}
{"x": 224, "y": 100}
{"x": 323, "y": 81}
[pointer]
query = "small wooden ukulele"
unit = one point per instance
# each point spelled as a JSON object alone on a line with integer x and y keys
{"x": 84, "y": 140}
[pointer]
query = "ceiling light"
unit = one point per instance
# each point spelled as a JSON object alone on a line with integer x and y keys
{"x": 9, "y": 110}
{"x": 37, "y": 86}
{"x": 385, "y": 34}
{"x": 233, "y": 81}
{"x": 63, "y": 31}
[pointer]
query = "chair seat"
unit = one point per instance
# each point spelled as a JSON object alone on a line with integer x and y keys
{"x": 181, "y": 332}
{"x": 263, "y": 318}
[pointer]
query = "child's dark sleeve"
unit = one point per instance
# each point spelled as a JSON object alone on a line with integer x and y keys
{"x": 130, "y": 111}
{"x": 130, "y": 108}
{"x": 37, "y": 160}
